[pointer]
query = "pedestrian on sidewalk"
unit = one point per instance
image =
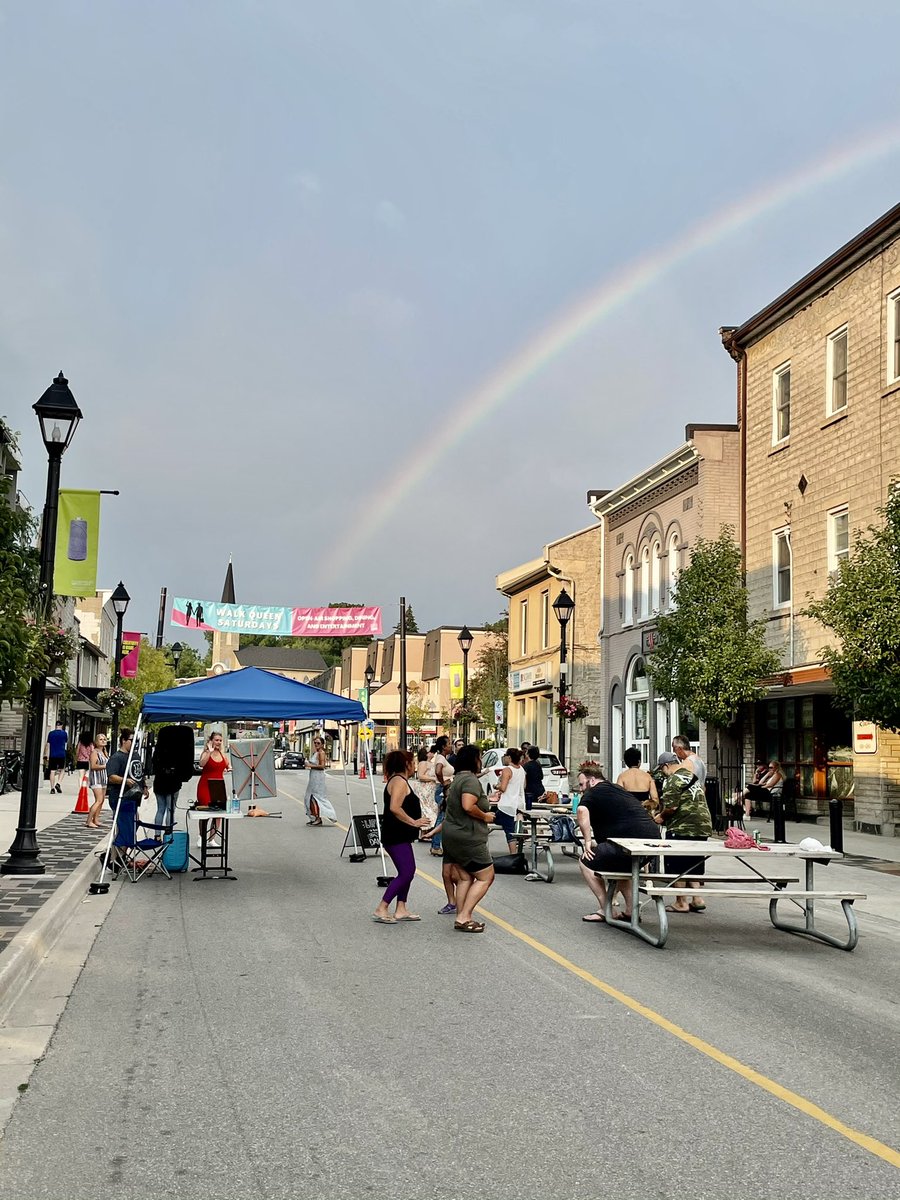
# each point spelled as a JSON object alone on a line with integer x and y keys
{"x": 83, "y": 750}
{"x": 57, "y": 740}
{"x": 401, "y": 821}
{"x": 424, "y": 786}
{"x": 443, "y": 773}
{"x": 97, "y": 780}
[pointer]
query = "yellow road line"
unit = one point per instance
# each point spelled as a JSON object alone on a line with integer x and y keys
{"x": 879, "y": 1149}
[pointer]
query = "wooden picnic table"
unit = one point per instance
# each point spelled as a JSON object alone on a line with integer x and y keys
{"x": 761, "y": 881}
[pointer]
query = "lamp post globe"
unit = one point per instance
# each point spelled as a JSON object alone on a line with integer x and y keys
{"x": 177, "y": 651}
{"x": 119, "y": 600}
{"x": 564, "y": 607}
{"x": 58, "y": 416}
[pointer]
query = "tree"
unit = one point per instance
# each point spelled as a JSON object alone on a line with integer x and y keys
{"x": 490, "y": 679}
{"x": 190, "y": 665}
{"x": 20, "y": 594}
{"x": 411, "y": 625}
{"x": 862, "y": 607}
{"x": 709, "y": 655}
{"x": 154, "y": 674}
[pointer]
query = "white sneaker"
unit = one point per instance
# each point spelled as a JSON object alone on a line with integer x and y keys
{"x": 199, "y": 843}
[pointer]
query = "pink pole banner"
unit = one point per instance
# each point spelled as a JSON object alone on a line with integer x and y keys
{"x": 336, "y": 622}
{"x": 131, "y": 653}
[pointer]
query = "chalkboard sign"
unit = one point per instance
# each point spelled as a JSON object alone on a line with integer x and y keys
{"x": 366, "y": 834}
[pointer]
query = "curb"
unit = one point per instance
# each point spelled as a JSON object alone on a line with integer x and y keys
{"x": 33, "y": 943}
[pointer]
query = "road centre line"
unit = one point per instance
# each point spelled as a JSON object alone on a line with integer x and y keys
{"x": 886, "y": 1153}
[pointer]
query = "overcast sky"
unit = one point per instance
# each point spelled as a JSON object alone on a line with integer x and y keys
{"x": 278, "y": 246}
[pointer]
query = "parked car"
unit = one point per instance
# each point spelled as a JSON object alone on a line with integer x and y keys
{"x": 555, "y": 774}
{"x": 199, "y": 747}
{"x": 289, "y": 760}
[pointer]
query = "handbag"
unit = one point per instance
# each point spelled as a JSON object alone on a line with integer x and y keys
{"x": 562, "y": 829}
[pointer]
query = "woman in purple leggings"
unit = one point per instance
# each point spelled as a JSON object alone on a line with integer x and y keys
{"x": 400, "y": 824}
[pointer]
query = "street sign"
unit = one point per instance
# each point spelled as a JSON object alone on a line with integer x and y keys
{"x": 498, "y": 712}
{"x": 366, "y": 731}
{"x": 865, "y": 737}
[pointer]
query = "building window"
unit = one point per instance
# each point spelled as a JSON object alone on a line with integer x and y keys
{"x": 838, "y": 537}
{"x": 628, "y": 615}
{"x": 836, "y": 374}
{"x": 655, "y": 577}
{"x": 781, "y": 567}
{"x": 781, "y": 403}
{"x": 645, "y": 583}
{"x": 637, "y": 709}
{"x": 893, "y": 337}
{"x": 672, "y": 568}
{"x": 545, "y": 620}
{"x": 523, "y": 626}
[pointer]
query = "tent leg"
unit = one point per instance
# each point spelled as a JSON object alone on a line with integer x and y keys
{"x": 383, "y": 879}
{"x": 356, "y": 849}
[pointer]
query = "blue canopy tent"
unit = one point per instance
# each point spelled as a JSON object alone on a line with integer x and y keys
{"x": 249, "y": 693}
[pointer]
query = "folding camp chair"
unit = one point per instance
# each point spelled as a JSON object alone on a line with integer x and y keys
{"x": 138, "y": 845}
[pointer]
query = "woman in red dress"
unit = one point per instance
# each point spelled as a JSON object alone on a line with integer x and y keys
{"x": 213, "y": 765}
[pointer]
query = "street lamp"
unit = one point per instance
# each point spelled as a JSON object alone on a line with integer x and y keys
{"x": 119, "y": 600}
{"x": 58, "y": 416}
{"x": 176, "y": 652}
{"x": 465, "y": 640}
{"x": 563, "y": 606}
{"x": 368, "y": 675}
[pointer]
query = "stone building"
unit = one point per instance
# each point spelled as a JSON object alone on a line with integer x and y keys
{"x": 819, "y": 406}
{"x": 649, "y": 525}
{"x": 570, "y": 562}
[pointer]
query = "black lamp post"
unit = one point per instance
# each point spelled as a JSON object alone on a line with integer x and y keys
{"x": 176, "y": 652}
{"x": 119, "y": 600}
{"x": 368, "y": 675}
{"x": 465, "y": 640}
{"x": 563, "y": 606}
{"x": 58, "y": 415}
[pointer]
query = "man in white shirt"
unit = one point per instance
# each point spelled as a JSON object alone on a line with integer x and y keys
{"x": 681, "y": 747}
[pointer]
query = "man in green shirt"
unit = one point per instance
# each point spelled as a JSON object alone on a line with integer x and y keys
{"x": 685, "y": 814}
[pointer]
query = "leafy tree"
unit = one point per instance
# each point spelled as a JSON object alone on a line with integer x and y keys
{"x": 154, "y": 673}
{"x": 411, "y": 624}
{"x": 862, "y": 607}
{"x": 709, "y": 655}
{"x": 20, "y": 597}
{"x": 490, "y": 679}
{"x": 190, "y": 665}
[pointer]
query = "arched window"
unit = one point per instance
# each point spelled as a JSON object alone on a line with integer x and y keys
{"x": 673, "y": 568}
{"x": 645, "y": 582}
{"x": 637, "y": 709}
{"x": 628, "y": 615}
{"x": 655, "y": 577}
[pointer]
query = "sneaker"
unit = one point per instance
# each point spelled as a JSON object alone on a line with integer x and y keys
{"x": 448, "y": 910}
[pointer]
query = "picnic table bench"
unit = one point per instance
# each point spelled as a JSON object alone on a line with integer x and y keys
{"x": 758, "y": 883}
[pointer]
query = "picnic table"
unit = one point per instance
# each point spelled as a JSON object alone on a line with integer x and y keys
{"x": 759, "y": 880}
{"x": 535, "y": 827}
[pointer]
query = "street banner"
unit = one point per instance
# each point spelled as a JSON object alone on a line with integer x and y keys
{"x": 77, "y": 537}
{"x": 456, "y": 681}
{"x": 131, "y": 652}
{"x": 277, "y": 622}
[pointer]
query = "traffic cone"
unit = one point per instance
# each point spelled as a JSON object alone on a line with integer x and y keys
{"x": 81, "y": 804}
{"x": 362, "y": 770}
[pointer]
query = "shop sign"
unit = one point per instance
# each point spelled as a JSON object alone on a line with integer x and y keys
{"x": 649, "y": 640}
{"x": 530, "y": 677}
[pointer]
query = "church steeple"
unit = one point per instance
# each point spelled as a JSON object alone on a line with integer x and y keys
{"x": 225, "y": 645}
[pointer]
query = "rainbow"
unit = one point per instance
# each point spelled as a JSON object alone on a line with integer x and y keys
{"x": 611, "y": 295}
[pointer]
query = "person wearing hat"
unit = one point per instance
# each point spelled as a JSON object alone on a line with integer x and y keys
{"x": 607, "y": 811}
{"x": 685, "y": 814}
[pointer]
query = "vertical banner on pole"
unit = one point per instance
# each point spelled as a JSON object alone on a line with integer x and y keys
{"x": 77, "y": 535}
{"x": 131, "y": 653}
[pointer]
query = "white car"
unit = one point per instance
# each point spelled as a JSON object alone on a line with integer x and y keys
{"x": 555, "y": 774}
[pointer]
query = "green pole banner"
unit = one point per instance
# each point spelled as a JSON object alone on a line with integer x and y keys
{"x": 77, "y": 538}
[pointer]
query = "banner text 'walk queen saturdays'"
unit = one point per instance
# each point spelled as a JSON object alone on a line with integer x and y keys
{"x": 215, "y": 616}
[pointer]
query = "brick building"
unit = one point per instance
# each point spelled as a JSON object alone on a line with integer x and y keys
{"x": 819, "y": 407}
{"x": 649, "y": 525}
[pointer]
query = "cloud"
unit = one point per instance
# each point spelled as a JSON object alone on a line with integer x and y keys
{"x": 389, "y": 215}
{"x": 386, "y": 311}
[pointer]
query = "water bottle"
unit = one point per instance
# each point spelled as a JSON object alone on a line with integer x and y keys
{"x": 235, "y": 806}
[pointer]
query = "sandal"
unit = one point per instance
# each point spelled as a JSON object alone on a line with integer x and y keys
{"x": 696, "y": 908}
{"x": 675, "y": 908}
{"x": 595, "y": 918}
{"x": 620, "y": 916}
{"x": 469, "y": 926}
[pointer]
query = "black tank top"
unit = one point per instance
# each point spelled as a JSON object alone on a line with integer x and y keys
{"x": 393, "y": 830}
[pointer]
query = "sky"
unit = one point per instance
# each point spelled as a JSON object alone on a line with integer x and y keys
{"x": 368, "y": 294}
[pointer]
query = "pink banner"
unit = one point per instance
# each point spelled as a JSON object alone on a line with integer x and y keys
{"x": 131, "y": 652}
{"x": 336, "y": 622}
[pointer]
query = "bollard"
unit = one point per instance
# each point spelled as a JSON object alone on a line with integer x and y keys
{"x": 836, "y": 823}
{"x": 778, "y": 819}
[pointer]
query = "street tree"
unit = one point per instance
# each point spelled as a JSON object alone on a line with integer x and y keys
{"x": 20, "y": 595}
{"x": 411, "y": 624}
{"x": 490, "y": 678}
{"x": 862, "y": 608}
{"x": 709, "y": 655}
{"x": 191, "y": 665}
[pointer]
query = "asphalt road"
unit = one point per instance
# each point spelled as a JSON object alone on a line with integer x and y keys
{"x": 265, "y": 1038}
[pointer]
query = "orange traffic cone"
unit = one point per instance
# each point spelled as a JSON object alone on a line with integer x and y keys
{"x": 81, "y": 804}
{"x": 362, "y": 770}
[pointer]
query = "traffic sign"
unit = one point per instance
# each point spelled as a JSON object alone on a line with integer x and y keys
{"x": 498, "y": 712}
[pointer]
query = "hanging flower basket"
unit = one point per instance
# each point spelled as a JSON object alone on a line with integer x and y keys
{"x": 463, "y": 715}
{"x": 59, "y": 645}
{"x": 570, "y": 708}
{"x": 115, "y": 698}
